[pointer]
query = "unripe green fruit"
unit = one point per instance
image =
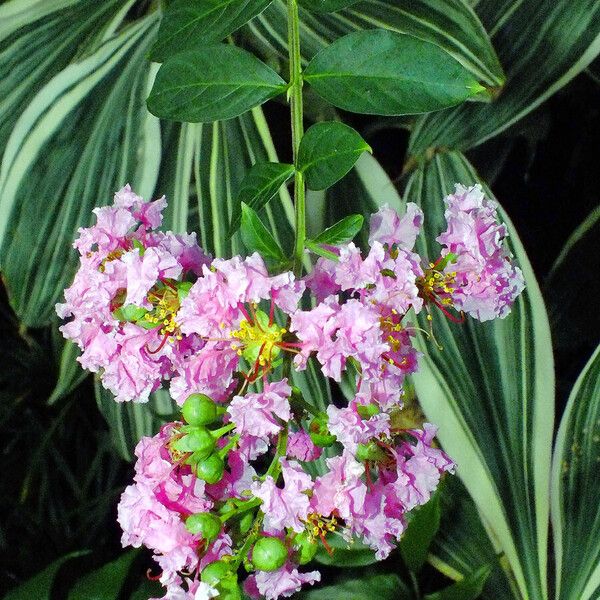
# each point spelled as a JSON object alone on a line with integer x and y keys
{"x": 269, "y": 554}
{"x": 205, "y": 524}
{"x": 210, "y": 469}
{"x": 306, "y": 548}
{"x": 214, "y": 572}
{"x": 199, "y": 409}
{"x": 200, "y": 441}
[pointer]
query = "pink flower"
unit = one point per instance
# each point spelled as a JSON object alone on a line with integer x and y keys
{"x": 283, "y": 582}
{"x": 341, "y": 488}
{"x": 301, "y": 446}
{"x": 257, "y": 414}
{"x": 485, "y": 281}
{"x": 388, "y": 228}
{"x": 351, "y": 429}
{"x": 288, "y": 506}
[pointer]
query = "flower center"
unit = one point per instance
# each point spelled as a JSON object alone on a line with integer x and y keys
{"x": 166, "y": 304}
{"x": 436, "y": 285}
{"x": 319, "y": 526}
{"x": 258, "y": 340}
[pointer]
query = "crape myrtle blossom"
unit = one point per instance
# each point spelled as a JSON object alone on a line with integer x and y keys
{"x": 124, "y": 295}
{"x": 231, "y": 485}
{"x": 485, "y": 281}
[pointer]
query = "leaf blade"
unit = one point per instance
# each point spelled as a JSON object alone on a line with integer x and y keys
{"x": 215, "y": 83}
{"x": 328, "y": 150}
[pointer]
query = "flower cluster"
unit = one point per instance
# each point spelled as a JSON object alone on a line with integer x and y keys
{"x": 229, "y": 488}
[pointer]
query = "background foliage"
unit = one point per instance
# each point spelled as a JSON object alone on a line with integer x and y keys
{"x": 74, "y": 127}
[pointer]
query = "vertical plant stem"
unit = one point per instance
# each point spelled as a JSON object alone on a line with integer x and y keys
{"x": 297, "y": 117}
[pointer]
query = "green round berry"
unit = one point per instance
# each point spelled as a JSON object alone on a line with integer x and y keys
{"x": 306, "y": 548}
{"x": 269, "y": 554}
{"x": 199, "y": 409}
{"x": 205, "y": 524}
{"x": 199, "y": 441}
{"x": 215, "y": 571}
{"x": 210, "y": 469}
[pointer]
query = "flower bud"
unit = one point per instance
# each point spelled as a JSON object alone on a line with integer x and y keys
{"x": 210, "y": 469}
{"x": 205, "y": 524}
{"x": 246, "y": 522}
{"x": 306, "y": 548}
{"x": 269, "y": 554}
{"x": 199, "y": 441}
{"x": 199, "y": 409}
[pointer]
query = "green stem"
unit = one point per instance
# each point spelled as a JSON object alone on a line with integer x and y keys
{"x": 297, "y": 117}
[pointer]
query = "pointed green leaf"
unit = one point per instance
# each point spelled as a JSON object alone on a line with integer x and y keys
{"x": 325, "y": 6}
{"x": 345, "y": 554}
{"x": 193, "y": 24}
{"x": 261, "y": 183}
{"x": 415, "y": 541}
{"x": 462, "y": 544}
{"x": 469, "y": 588}
{"x": 386, "y": 73}
{"x": 57, "y": 152}
{"x": 343, "y": 231}
{"x": 106, "y": 582}
{"x": 575, "y": 490}
{"x": 257, "y": 237}
{"x": 327, "y": 152}
{"x": 452, "y": 25}
{"x": 40, "y": 585}
{"x": 536, "y": 66}
{"x": 380, "y": 586}
{"x": 491, "y": 390}
{"x": 215, "y": 83}
{"x": 130, "y": 421}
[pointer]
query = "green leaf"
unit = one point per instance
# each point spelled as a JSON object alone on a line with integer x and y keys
{"x": 214, "y": 83}
{"x": 257, "y": 238}
{"x": 451, "y": 25}
{"x": 104, "y": 583}
{"x": 70, "y": 372}
{"x": 327, "y": 152}
{"x": 343, "y": 231}
{"x": 462, "y": 545}
{"x": 469, "y": 588}
{"x": 130, "y": 421}
{"x": 421, "y": 530}
{"x": 536, "y": 67}
{"x": 491, "y": 389}
{"x": 325, "y": 6}
{"x": 259, "y": 186}
{"x": 345, "y": 554}
{"x": 575, "y": 489}
{"x": 40, "y": 585}
{"x": 382, "y": 587}
{"x": 386, "y": 73}
{"x": 193, "y": 24}
{"x": 57, "y": 151}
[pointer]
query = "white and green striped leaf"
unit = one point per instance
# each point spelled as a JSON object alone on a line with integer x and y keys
{"x": 542, "y": 45}
{"x": 491, "y": 391}
{"x": 452, "y": 25}
{"x": 576, "y": 488}
{"x": 84, "y": 134}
